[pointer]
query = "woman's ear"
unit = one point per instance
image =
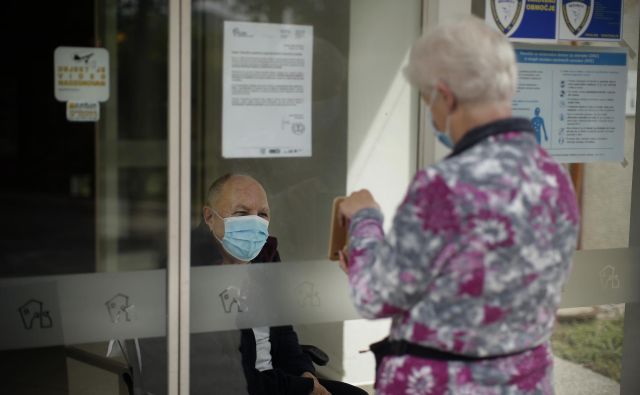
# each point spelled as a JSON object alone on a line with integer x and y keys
{"x": 447, "y": 95}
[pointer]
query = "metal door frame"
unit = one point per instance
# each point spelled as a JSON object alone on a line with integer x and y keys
{"x": 179, "y": 154}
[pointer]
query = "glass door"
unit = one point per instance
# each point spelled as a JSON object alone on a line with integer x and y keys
{"x": 128, "y": 126}
{"x": 84, "y": 196}
{"x": 292, "y": 104}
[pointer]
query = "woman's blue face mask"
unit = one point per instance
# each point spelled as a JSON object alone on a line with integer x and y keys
{"x": 442, "y": 135}
{"x": 244, "y": 236}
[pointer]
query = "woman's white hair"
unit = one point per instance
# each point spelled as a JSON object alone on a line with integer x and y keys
{"x": 476, "y": 62}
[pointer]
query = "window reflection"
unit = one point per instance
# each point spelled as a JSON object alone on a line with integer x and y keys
{"x": 587, "y": 344}
{"x": 300, "y": 189}
{"x": 79, "y": 197}
{"x": 606, "y": 194}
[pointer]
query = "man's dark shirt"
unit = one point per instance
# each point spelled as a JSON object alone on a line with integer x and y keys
{"x": 287, "y": 358}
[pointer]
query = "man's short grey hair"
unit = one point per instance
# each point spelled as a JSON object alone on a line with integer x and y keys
{"x": 215, "y": 189}
{"x": 476, "y": 62}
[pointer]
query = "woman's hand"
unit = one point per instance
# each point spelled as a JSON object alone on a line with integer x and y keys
{"x": 355, "y": 202}
{"x": 348, "y": 207}
{"x": 344, "y": 260}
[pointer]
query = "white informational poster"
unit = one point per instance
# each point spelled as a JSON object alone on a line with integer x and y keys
{"x": 266, "y": 90}
{"x": 83, "y": 111}
{"x": 575, "y": 99}
{"x": 81, "y": 74}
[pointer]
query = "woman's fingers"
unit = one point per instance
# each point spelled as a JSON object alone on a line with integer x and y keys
{"x": 355, "y": 202}
{"x": 344, "y": 261}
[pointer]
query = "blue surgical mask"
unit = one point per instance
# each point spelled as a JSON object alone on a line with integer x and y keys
{"x": 442, "y": 135}
{"x": 244, "y": 236}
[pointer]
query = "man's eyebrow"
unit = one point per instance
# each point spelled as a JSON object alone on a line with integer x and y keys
{"x": 240, "y": 207}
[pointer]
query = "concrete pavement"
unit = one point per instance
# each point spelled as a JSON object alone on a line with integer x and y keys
{"x": 572, "y": 379}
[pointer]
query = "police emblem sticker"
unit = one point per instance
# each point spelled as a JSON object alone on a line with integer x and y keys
{"x": 590, "y": 20}
{"x": 507, "y": 14}
{"x": 576, "y": 15}
{"x": 523, "y": 20}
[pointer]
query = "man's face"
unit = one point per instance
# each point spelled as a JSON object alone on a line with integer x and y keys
{"x": 240, "y": 195}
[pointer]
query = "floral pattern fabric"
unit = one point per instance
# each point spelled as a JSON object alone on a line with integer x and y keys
{"x": 473, "y": 264}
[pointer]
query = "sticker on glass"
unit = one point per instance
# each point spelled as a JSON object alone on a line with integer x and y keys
{"x": 81, "y": 74}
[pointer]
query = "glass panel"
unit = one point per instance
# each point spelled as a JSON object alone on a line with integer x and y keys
{"x": 301, "y": 187}
{"x": 84, "y": 197}
{"x": 587, "y": 345}
{"x": 604, "y": 188}
{"x": 308, "y": 98}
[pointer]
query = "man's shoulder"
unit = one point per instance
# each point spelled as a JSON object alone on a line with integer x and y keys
{"x": 269, "y": 252}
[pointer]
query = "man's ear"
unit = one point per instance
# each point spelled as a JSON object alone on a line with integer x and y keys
{"x": 207, "y": 214}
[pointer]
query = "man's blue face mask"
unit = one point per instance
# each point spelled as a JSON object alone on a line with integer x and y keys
{"x": 244, "y": 236}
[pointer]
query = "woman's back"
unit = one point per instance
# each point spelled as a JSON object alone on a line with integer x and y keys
{"x": 473, "y": 265}
{"x": 498, "y": 282}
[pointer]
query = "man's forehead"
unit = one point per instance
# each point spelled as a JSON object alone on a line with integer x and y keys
{"x": 244, "y": 192}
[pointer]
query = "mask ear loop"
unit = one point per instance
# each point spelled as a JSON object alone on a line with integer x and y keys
{"x": 212, "y": 231}
{"x": 447, "y": 120}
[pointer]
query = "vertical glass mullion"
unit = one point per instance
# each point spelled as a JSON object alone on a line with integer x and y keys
{"x": 185, "y": 192}
{"x": 173, "y": 242}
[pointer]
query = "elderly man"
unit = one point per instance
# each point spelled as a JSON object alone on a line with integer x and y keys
{"x": 236, "y": 209}
{"x": 235, "y": 231}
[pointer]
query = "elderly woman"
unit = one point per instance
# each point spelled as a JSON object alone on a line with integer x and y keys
{"x": 472, "y": 269}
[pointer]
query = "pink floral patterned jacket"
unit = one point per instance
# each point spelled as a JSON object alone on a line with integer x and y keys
{"x": 474, "y": 264}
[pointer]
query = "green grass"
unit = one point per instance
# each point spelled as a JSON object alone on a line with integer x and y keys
{"x": 595, "y": 344}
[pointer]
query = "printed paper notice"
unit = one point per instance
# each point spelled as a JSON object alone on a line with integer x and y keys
{"x": 266, "y": 110}
{"x": 575, "y": 100}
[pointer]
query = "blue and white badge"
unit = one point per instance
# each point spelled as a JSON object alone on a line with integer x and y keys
{"x": 590, "y": 20}
{"x": 507, "y": 14}
{"x": 576, "y": 15}
{"x": 523, "y": 20}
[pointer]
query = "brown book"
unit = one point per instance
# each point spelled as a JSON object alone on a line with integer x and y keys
{"x": 338, "y": 237}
